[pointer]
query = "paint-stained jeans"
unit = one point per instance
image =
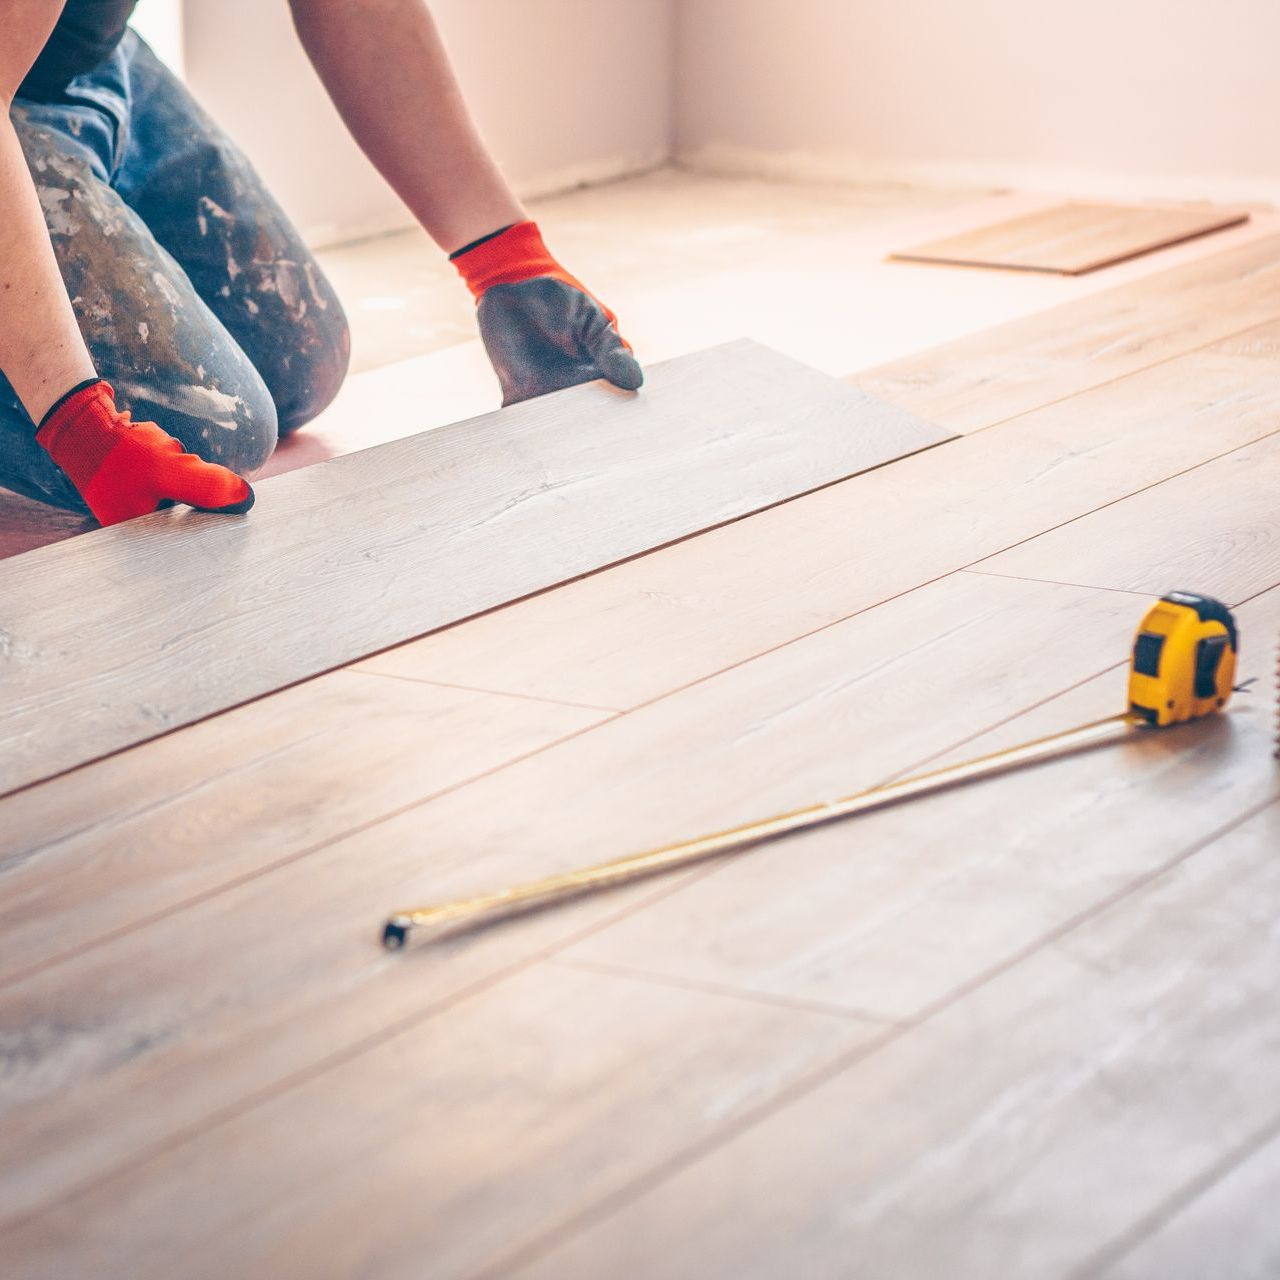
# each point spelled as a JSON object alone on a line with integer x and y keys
{"x": 197, "y": 298}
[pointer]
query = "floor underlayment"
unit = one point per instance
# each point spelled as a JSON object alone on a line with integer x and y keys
{"x": 1025, "y": 1028}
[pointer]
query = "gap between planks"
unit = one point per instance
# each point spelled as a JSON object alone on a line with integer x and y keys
{"x": 358, "y": 670}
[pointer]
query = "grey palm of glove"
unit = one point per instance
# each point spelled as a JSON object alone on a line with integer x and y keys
{"x": 544, "y": 335}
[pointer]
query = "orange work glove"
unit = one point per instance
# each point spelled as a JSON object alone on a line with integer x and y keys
{"x": 543, "y": 329}
{"x": 124, "y": 469}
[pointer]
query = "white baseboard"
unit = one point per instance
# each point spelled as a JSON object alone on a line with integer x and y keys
{"x": 802, "y": 166}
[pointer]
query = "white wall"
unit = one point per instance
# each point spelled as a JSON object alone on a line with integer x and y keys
{"x": 159, "y": 22}
{"x": 1177, "y": 98}
{"x": 565, "y": 90}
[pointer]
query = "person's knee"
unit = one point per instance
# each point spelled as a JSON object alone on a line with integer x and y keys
{"x": 313, "y": 372}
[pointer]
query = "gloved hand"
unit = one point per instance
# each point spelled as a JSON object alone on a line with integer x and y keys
{"x": 542, "y": 329}
{"x": 124, "y": 469}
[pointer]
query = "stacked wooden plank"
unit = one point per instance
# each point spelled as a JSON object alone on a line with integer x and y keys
{"x": 1028, "y": 1023}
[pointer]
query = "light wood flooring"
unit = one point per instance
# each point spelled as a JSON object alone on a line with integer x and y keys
{"x": 1024, "y": 1029}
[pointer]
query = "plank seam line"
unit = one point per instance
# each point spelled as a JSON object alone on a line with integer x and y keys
{"x": 355, "y": 670}
{"x": 1081, "y": 391}
{"x": 301, "y": 1076}
{"x": 612, "y": 970}
{"x": 1168, "y": 1209}
{"x": 530, "y": 595}
{"x": 52, "y": 962}
{"x": 799, "y": 1088}
{"x": 1146, "y": 488}
{"x": 1055, "y": 582}
{"x": 270, "y": 868}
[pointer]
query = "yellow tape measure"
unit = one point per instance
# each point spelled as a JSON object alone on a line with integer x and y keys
{"x": 1184, "y": 659}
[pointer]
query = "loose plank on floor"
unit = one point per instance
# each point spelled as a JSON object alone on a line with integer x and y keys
{"x": 1072, "y": 238}
{"x": 993, "y": 375}
{"x": 282, "y": 971}
{"x": 113, "y": 638}
{"x": 672, "y": 617}
{"x": 103, "y": 847}
{"x": 409, "y": 1131}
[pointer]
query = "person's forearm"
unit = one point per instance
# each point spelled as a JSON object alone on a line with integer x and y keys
{"x": 385, "y": 67}
{"x": 41, "y": 350}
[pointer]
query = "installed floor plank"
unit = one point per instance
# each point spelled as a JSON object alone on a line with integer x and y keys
{"x": 1027, "y": 1122}
{"x": 1215, "y": 529}
{"x": 134, "y": 836}
{"x": 141, "y": 628}
{"x": 1222, "y": 1223}
{"x": 971, "y": 383}
{"x": 540, "y": 1074}
{"x": 411, "y": 1126}
{"x": 1070, "y": 239}
{"x": 282, "y": 971}
{"x": 672, "y": 617}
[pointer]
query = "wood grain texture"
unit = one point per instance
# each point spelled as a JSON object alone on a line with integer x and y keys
{"x": 1070, "y": 239}
{"x": 1221, "y": 1222}
{"x": 142, "y": 628}
{"x": 1215, "y": 529}
{"x": 673, "y": 617}
{"x": 281, "y": 972}
{"x": 134, "y": 836}
{"x": 535, "y": 1078}
{"x": 1028, "y": 1121}
{"x": 993, "y": 375}
{"x": 411, "y": 1139}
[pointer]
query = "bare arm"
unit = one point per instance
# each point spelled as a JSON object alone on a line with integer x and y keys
{"x": 385, "y": 67}
{"x": 41, "y": 350}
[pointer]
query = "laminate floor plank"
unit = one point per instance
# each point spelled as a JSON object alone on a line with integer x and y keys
{"x": 1215, "y": 528}
{"x": 1225, "y": 1227}
{"x": 470, "y": 1138}
{"x": 134, "y": 836}
{"x": 282, "y": 972}
{"x": 996, "y": 374}
{"x": 503, "y": 1113}
{"x": 669, "y": 618}
{"x": 132, "y": 631}
{"x": 1075, "y": 237}
{"x": 1027, "y": 1122}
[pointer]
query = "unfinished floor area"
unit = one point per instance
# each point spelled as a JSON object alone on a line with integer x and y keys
{"x": 1025, "y": 1029}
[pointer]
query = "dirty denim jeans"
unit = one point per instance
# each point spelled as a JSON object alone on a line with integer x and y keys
{"x": 197, "y": 298}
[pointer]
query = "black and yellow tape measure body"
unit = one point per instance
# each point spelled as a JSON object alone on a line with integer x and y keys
{"x": 1184, "y": 659}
